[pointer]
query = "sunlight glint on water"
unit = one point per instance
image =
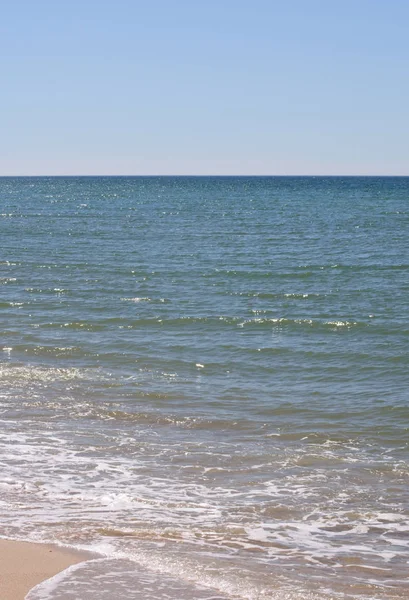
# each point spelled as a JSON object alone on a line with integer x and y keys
{"x": 204, "y": 381}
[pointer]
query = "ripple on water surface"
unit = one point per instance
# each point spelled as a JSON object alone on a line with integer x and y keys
{"x": 204, "y": 380}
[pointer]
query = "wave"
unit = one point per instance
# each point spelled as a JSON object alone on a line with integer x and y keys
{"x": 16, "y": 374}
{"x": 210, "y": 320}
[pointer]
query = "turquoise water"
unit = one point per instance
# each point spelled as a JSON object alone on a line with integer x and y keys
{"x": 205, "y": 381}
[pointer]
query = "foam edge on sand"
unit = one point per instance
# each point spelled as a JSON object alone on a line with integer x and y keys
{"x": 23, "y": 565}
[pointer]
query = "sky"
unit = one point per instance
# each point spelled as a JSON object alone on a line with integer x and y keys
{"x": 261, "y": 87}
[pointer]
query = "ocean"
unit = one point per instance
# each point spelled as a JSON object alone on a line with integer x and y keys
{"x": 204, "y": 382}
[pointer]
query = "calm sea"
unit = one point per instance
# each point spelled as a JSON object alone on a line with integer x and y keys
{"x": 204, "y": 381}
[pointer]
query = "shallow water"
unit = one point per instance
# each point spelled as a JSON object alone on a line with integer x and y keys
{"x": 205, "y": 381}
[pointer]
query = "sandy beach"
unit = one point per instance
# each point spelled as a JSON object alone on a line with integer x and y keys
{"x": 23, "y": 565}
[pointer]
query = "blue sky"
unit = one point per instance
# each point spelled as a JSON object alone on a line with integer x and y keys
{"x": 195, "y": 87}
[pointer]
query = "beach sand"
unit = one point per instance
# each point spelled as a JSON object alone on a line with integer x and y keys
{"x": 23, "y": 565}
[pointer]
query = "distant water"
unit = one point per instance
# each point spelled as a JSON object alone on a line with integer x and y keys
{"x": 205, "y": 381}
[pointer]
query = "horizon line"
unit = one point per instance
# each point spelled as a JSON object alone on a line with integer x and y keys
{"x": 203, "y": 175}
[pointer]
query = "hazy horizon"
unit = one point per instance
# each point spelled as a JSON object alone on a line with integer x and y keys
{"x": 241, "y": 175}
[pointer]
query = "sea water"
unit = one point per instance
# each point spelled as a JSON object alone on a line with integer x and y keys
{"x": 204, "y": 381}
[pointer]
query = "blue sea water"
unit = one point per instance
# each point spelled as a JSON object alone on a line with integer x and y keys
{"x": 204, "y": 380}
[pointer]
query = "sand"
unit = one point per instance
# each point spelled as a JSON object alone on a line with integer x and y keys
{"x": 23, "y": 565}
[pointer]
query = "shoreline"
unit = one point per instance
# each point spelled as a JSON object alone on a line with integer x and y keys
{"x": 23, "y": 565}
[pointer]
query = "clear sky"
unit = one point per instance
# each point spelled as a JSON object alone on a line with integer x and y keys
{"x": 204, "y": 87}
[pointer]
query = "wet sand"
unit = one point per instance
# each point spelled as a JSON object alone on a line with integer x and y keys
{"x": 23, "y": 565}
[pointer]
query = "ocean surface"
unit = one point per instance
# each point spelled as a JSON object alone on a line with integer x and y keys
{"x": 204, "y": 382}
